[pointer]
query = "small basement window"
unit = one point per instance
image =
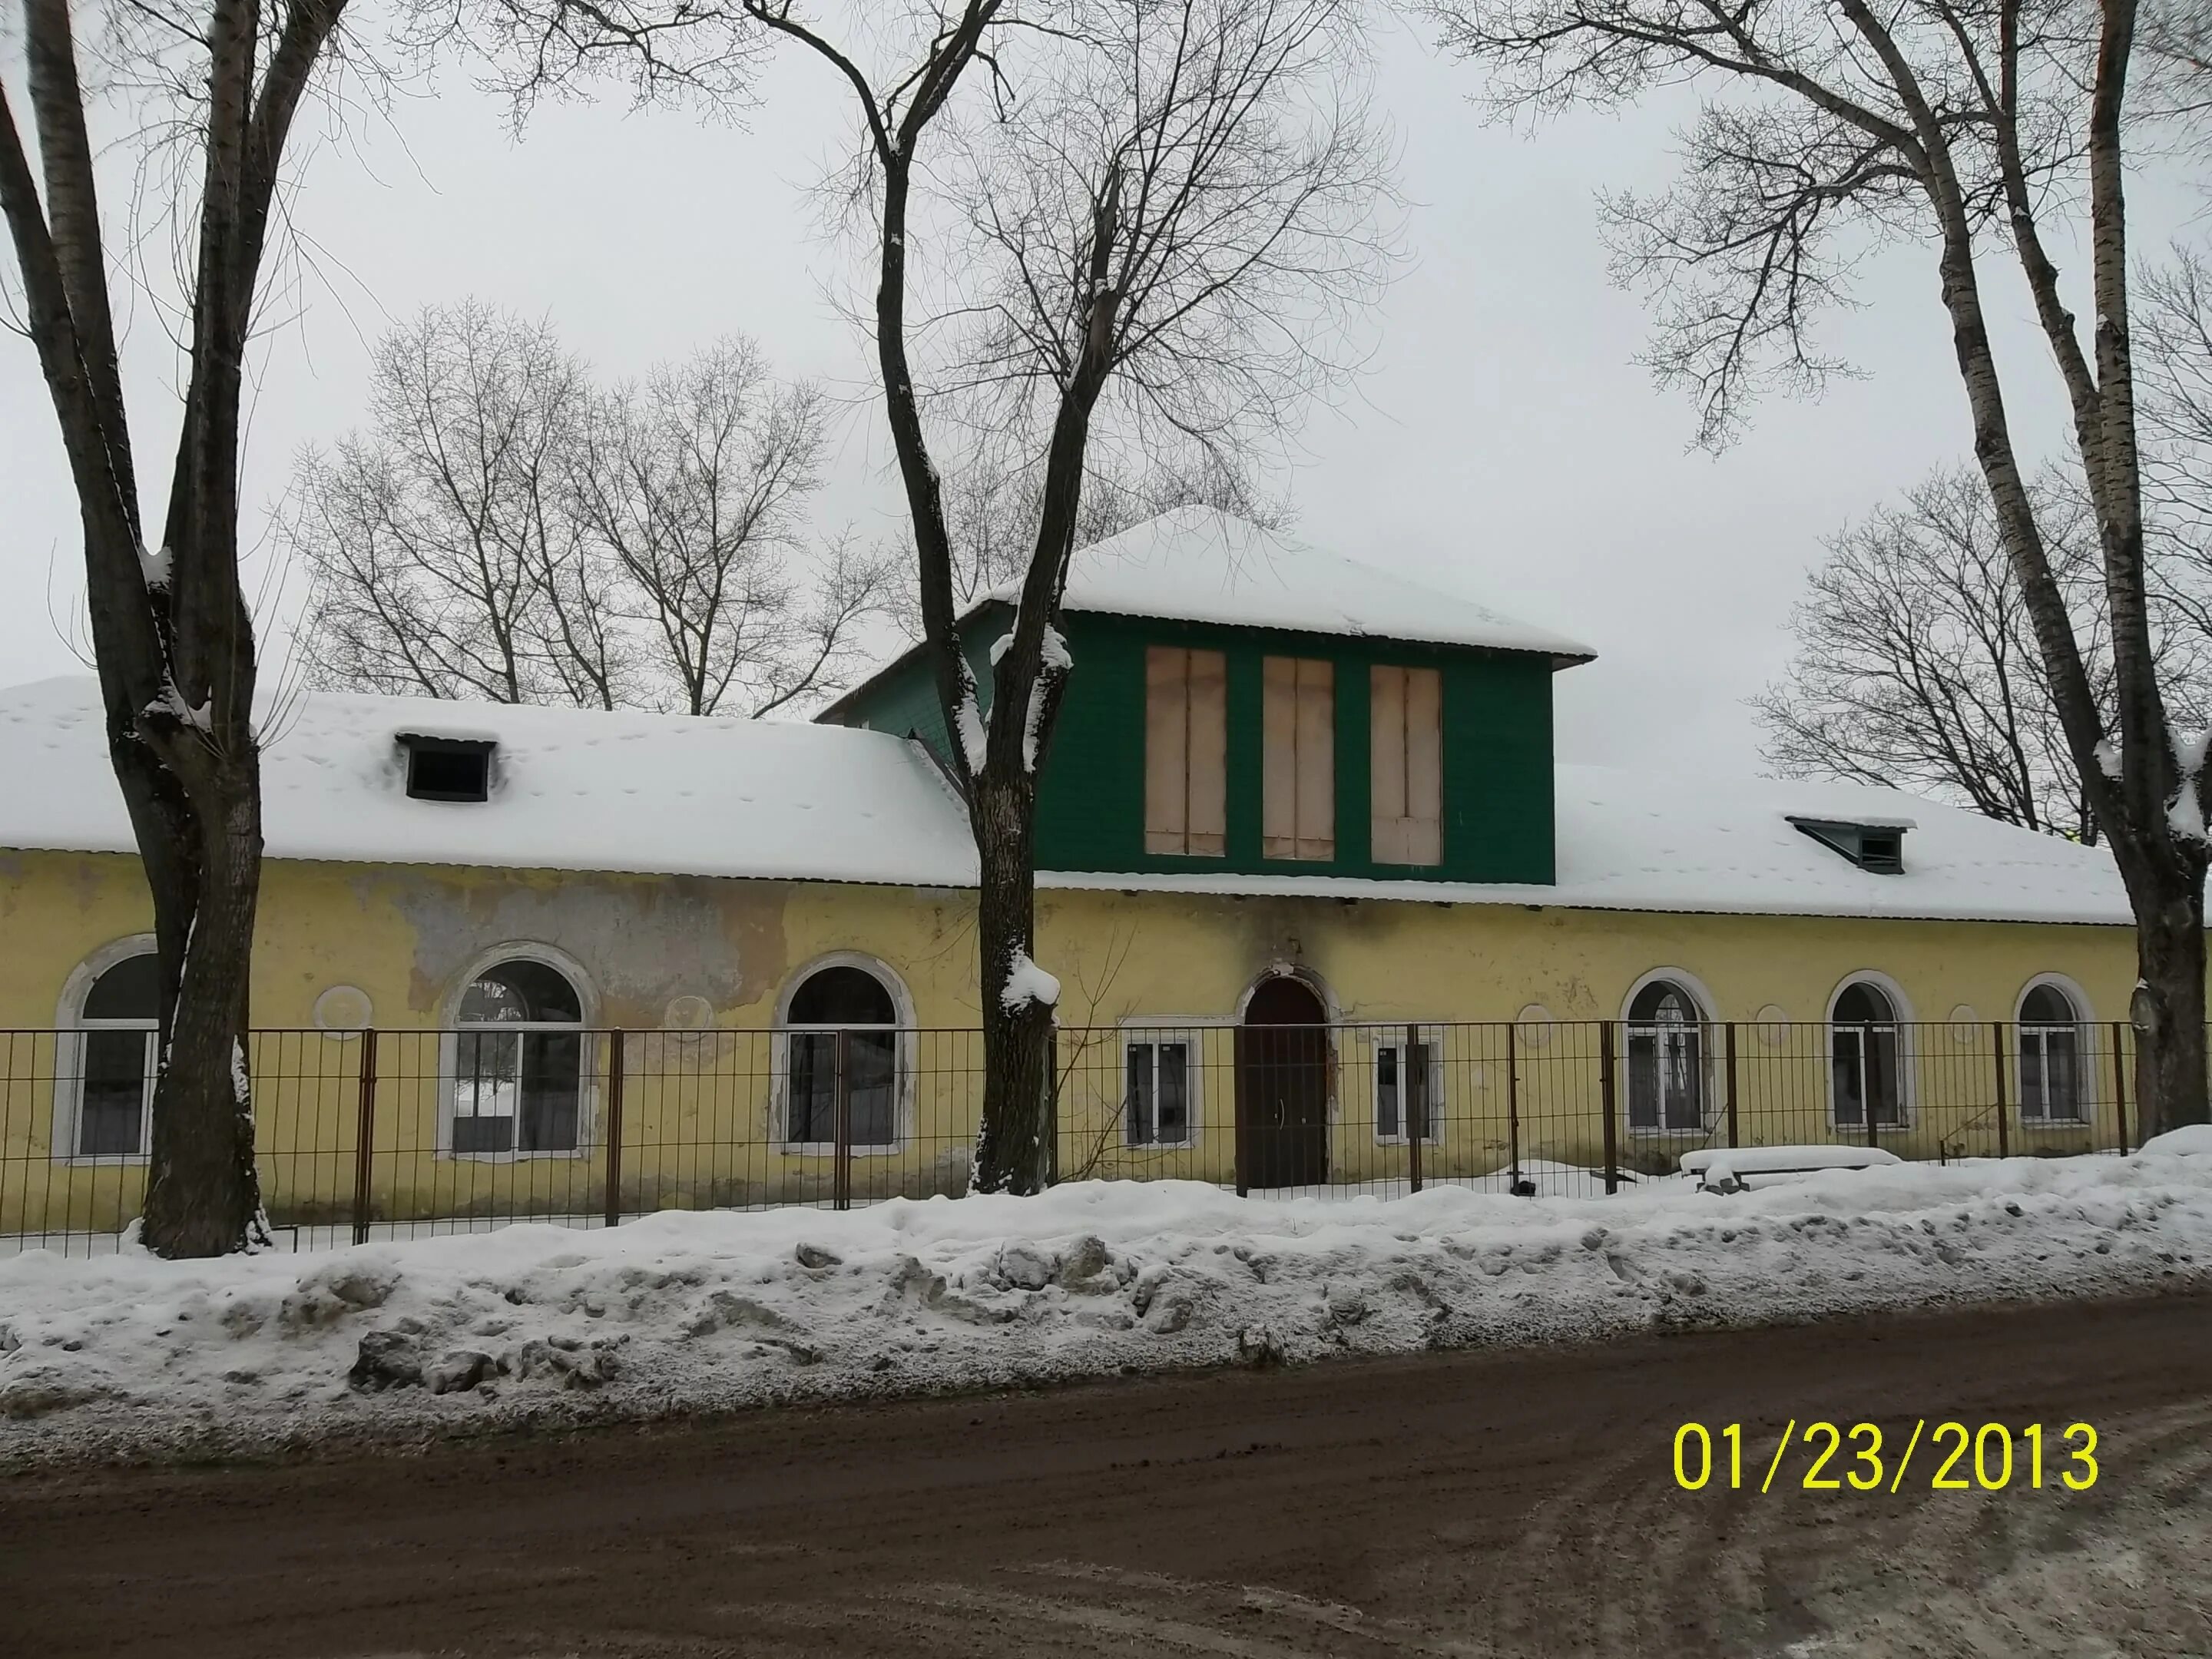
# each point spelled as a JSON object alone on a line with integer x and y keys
{"x": 447, "y": 768}
{"x": 1876, "y": 845}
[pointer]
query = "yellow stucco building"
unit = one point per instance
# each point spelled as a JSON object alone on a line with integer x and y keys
{"x": 1323, "y": 909}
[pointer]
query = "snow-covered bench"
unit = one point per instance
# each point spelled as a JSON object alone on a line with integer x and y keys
{"x": 1732, "y": 1170}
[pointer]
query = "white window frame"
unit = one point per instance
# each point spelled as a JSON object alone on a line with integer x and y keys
{"x": 2083, "y": 1026}
{"x": 1392, "y": 1040}
{"x": 905, "y": 1052}
{"x": 71, "y": 1029}
{"x": 1192, "y": 1035}
{"x": 1709, "y": 1105}
{"x": 1901, "y": 1025}
{"x": 588, "y": 1049}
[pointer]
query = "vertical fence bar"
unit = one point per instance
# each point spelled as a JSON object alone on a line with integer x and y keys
{"x": 1415, "y": 1074}
{"x": 1998, "y": 1054}
{"x": 365, "y": 1137}
{"x": 1730, "y": 1043}
{"x": 1237, "y": 1105}
{"x": 2120, "y": 1082}
{"x": 1866, "y": 1072}
{"x": 1052, "y": 1106}
{"x": 1606, "y": 1085}
{"x": 1513, "y": 1102}
{"x": 615, "y": 1071}
{"x": 841, "y": 1180}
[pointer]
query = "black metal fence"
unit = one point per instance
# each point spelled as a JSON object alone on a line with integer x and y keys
{"x": 372, "y": 1134}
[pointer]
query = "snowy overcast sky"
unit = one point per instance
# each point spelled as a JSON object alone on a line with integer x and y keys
{"x": 1504, "y": 443}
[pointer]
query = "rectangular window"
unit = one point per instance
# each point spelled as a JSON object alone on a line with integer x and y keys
{"x": 1298, "y": 759}
{"x": 1395, "y": 1104}
{"x": 1185, "y": 753}
{"x": 1406, "y": 765}
{"x": 1158, "y": 1111}
{"x": 2050, "y": 1074}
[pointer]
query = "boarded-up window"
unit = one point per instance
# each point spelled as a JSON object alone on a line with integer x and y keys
{"x": 1298, "y": 783}
{"x": 1186, "y": 750}
{"x": 1406, "y": 765}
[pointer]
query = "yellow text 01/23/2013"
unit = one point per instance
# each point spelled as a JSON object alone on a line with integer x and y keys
{"x": 1949, "y": 1456}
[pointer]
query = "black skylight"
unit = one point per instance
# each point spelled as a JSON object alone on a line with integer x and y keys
{"x": 447, "y": 768}
{"x": 1879, "y": 847}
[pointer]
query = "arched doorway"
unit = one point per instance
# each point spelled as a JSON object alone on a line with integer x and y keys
{"x": 1282, "y": 1087}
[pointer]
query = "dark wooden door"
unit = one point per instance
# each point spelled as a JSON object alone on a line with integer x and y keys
{"x": 1282, "y": 1088}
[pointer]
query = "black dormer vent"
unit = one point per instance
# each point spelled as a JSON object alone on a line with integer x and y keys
{"x": 447, "y": 768}
{"x": 1873, "y": 846}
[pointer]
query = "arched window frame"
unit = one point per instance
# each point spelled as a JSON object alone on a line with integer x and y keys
{"x": 2083, "y": 1026}
{"x": 589, "y": 1049}
{"x": 906, "y": 1049}
{"x": 1702, "y": 1000}
{"x": 71, "y": 1029}
{"x": 1908, "y": 1063}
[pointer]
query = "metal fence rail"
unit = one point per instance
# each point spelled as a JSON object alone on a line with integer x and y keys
{"x": 366, "y": 1134}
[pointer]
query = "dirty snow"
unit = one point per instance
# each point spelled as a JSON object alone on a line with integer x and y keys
{"x": 688, "y": 1312}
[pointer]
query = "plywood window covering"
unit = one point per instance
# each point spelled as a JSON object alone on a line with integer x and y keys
{"x": 1298, "y": 816}
{"x": 1406, "y": 765}
{"x": 1185, "y": 753}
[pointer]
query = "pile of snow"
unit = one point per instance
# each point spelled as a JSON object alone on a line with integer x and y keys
{"x": 2190, "y": 1140}
{"x": 1734, "y": 1169}
{"x": 686, "y": 1312}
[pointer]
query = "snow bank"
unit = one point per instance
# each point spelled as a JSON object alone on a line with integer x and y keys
{"x": 688, "y": 1312}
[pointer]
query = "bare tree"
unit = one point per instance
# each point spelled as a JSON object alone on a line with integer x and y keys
{"x": 170, "y": 630}
{"x": 2174, "y": 403}
{"x": 1915, "y": 666}
{"x": 209, "y": 92}
{"x": 432, "y": 540}
{"x": 1156, "y": 231}
{"x": 506, "y": 531}
{"x": 1968, "y": 128}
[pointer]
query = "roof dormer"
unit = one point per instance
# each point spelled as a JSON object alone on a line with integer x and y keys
{"x": 446, "y": 769}
{"x": 1876, "y": 845}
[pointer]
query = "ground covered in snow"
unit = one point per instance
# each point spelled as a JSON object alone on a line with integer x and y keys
{"x": 680, "y": 1313}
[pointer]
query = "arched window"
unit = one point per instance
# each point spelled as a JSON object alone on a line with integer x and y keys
{"x": 1666, "y": 1058}
{"x": 1864, "y": 1058}
{"x": 842, "y": 1015}
{"x": 2051, "y": 1056}
{"x": 117, "y": 1022}
{"x": 518, "y": 1060}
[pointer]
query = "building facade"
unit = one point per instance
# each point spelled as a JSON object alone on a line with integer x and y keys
{"x": 1322, "y": 905}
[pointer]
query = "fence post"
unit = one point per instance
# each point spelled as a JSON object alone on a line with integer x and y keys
{"x": 364, "y": 1136}
{"x": 1606, "y": 1085}
{"x": 1051, "y": 1105}
{"x": 1513, "y": 1099}
{"x": 1733, "y": 1142}
{"x": 1240, "y": 1106}
{"x": 841, "y": 1180}
{"x": 615, "y": 1070}
{"x": 1415, "y": 1106}
{"x": 1997, "y": 1054}
{"x": 1866, "y": 1072}
{"x": 2120, "y": 1082}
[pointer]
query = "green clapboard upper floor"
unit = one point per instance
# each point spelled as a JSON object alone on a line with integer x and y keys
{"x": 1241, "y": 703}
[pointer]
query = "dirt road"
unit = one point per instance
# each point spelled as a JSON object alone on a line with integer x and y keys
{"x": 1466, "y": 1505}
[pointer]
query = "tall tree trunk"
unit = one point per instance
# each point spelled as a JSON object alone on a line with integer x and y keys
{"x": 1011, "y": 1154}
{"x": 203, "y": 1192}
{"x": 2168, "y": 1007}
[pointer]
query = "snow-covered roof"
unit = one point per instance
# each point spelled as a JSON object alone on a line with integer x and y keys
{"x": 672, "y": 794}
{"x": 1198, "y": 564}
{"x": 1629, "y": 840}
{"x": 573, "y": 789}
